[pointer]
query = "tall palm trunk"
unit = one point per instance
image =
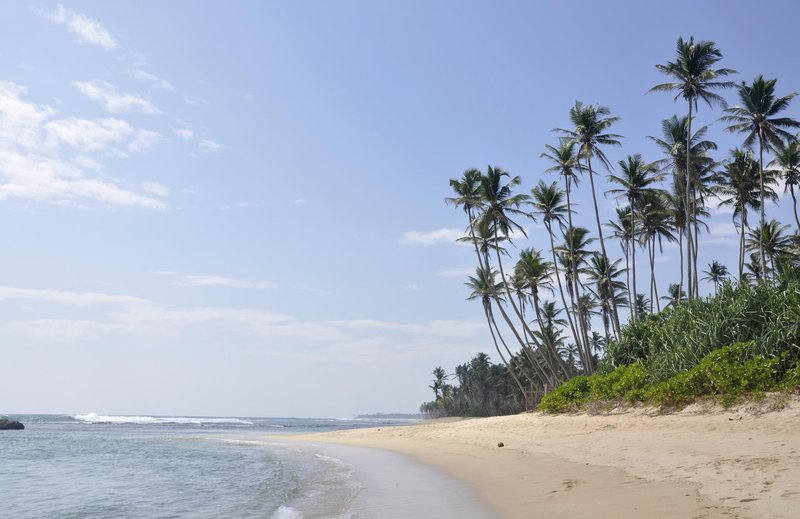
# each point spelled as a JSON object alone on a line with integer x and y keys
{"x": 689, "y": 245}
{"x": 561, "y": 287}
{"x": 492, "y": 326}
{"x": 761, "y": 187}
{"x": 694, "y": 252}
{"x": 742, "y": 227}
{"x": 794, "y": 206}
{"x": 628, "y": 274}
{"x": 633, "y": 255}
{"x": 568, "y": 190}
{"x": 600, "y": 233}
{"x": 550, "y": 346}
{"x": 680, "y": 253}
{"x": 584, "y": 325}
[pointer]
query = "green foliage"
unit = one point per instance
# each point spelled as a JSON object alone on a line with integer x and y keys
{"x": 676, "y": 339}
{"x": 570, "y": 396}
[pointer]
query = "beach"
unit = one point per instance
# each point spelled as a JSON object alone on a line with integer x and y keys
{"x": 703, "y": 462}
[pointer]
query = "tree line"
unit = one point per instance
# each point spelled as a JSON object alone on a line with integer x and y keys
{"x": 542, "y": 343}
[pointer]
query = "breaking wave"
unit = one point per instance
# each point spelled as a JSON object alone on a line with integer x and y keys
{"x": 158, "y": 420}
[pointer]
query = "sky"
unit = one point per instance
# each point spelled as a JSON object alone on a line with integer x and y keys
{"x": 237, "y": 208}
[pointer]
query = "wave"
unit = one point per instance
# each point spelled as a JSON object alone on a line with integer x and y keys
{"x": 158, "y": 420}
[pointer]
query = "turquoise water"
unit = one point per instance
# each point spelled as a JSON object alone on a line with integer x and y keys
{"x": 91, "y": 466}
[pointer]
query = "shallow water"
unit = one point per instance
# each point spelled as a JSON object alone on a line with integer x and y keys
{"x": 94, "y": 466}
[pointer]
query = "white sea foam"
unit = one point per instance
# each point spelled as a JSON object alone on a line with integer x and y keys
{"x": 158, "y": 420}
{"x": 287, "y": 512}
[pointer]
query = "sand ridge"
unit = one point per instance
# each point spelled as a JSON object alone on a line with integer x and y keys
{"x": 702, "y": 462}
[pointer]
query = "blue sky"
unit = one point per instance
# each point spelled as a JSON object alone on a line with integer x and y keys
{"x": 237, "y": 208}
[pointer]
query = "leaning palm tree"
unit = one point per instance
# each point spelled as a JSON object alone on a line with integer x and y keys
{"x": 770, "y": 238}
{"x": 695, "y": 78}
{"x": 483, "y": 287}
{"x": 739, "y": 186}
{"x": 787, "y": 159}
{"x": 548, "y": 203}
{"x": 634, "y": 180}
{"x": 717, "y": 273}
{"x": 758, "y": 118}
{"x": 591, "y": 124}
{"x": 573, "y": 255}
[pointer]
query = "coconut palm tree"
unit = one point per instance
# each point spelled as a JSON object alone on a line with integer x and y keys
{"x": 674, "y": 295}
{"x": 622, "y": 230}
{"x": 643, "y": 305}
{"x": 787, "y": 159}
{"x": 772, "y": 240}
{"x": 591, "y": 124}
{"x": 548, "y": 203}
{"x": 483, "y": 287}
{"x": 535, "y": 273}
{"x": 739, "y": 186}
{"x": 695, "y": 78}
{"x": 673, "y": 146}
{"x": 607, "y": 288}
{"x": 758, "y": 119}
{"x": 716, "y": 274}
{"x": 634, "y": 180}
{"x": 656, "y": 225}
{"x": 573, "y": 254}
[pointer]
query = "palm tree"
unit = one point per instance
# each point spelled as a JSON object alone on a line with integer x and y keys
{"x": 716, "y": 274}
{"x": 547, "y": 201}
{"x": 484, "y": 287}
{"x": 573, "y": 254}
{"x": 591, "y": 124}
{"x": 787, "y": 158}
{"x": 673, "y": 145}
{"x": 607, "y": 288}
{"x": 758, "y": 119}
{"x": 634, "y": 181}
{"x": 656, "y": 225}
{"x": 772, "y": 240}
{"x": 535, "y": 273}
{"x": 674, "y": 295}
{"x": 739, "y": 186}
{"x": 623, "y": 231}
{"x": 695, "y": 78}
{"x": 643, "y": 305}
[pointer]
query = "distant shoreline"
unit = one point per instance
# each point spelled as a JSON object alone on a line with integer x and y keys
{"x": 701, "y": 462}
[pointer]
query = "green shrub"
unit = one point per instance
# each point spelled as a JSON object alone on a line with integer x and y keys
{"x": 570, "y": 396}
{"x": 618, "y": 383}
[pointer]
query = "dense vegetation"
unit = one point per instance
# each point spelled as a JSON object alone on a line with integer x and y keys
{"x": 743, "y": 339}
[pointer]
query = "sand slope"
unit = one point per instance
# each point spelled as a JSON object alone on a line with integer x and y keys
{"x": 703, "y": 463}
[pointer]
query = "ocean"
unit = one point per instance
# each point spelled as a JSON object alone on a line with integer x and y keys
{"x": 95, "y": 466}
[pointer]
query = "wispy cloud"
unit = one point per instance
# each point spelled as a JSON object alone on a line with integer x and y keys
{"x": 459, "y": 272}
{"x": 431, "y": 237}
{"x": 208, "y": 146}
{"x": 184, "y": 133}
{"x": 209, "y": 280}
{"x": 85, "y": 29}
{"x": 150, "y": 79}
{"x": 114, "y": 101}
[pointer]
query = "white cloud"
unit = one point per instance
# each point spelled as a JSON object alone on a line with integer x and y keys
{"x": 150, "y": 79}
{"x": 155, "y": 188}
{"x": 431, "y": 237}
{"x": 184, "y": 133}
{"x": 143, "y": 141}
{"x": 300, "y": 201}
{"x": 205, "y": 280}
{"x": 84, "y": 28}
{"x": 33, "y": 145}
{"x": 69, "y": 298}
{"x": 721, "y": 233}
{"x": 114, "y": 101}
{"x": 208, "y": 146}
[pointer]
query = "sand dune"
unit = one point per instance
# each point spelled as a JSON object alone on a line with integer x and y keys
{"x": 701, "y": 462}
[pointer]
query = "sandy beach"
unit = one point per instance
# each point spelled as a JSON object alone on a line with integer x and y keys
{"x": 703, "y": 462}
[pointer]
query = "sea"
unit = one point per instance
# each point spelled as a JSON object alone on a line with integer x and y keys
{"x": 103, "y": 466}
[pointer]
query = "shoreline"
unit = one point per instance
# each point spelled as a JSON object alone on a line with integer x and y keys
{"x": 701, "y": 462}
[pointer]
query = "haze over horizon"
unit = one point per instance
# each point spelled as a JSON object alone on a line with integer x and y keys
{"x": 237, "y": 209}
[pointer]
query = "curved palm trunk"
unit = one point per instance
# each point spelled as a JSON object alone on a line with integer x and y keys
{"x": 492, "y": 327}
{"x": 687, "y": 208}
{"x": 614, "y": 314}
{"x": 628, "y": 275}
{"x": 567, "y": 310}
{"x": 635, "y": 310}
{"x": 514, "y": 305}
{"x": 582, "y": 318}
{"x": 550, "y": 346}
{"x": 763, "y": 219}
{"x": 696, "y": 245}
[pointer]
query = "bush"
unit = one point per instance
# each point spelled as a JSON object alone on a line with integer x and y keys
{"x": 570, "y": 396}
